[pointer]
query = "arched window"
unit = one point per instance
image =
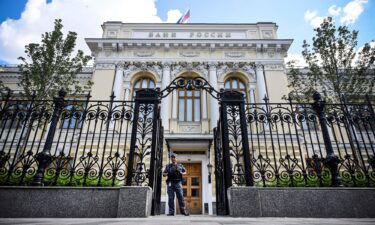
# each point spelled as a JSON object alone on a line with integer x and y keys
{"x": 235, "y": 84}
{"x": 189, "y": 105}
{"x": 142, "y": 83}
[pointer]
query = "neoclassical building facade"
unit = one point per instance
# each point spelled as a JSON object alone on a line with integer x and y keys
{"x": 131, "y": 56}
{"x": 245, "y": 57}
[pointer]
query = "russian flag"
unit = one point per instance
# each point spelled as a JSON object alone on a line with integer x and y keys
{"x": 185, "y": 17}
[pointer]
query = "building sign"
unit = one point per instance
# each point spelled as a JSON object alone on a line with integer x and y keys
{"x": 189, "y": 35}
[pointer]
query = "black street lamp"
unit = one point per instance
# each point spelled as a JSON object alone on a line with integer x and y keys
{"x": 209, "y": 167}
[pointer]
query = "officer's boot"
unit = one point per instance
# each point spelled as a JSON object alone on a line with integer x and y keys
{"x": 185, "y": 212}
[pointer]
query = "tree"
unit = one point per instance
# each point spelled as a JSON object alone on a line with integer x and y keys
{"x": 4, "y": 90}
{"x": 334, "y": 66}
{"x": 49, "y": 66}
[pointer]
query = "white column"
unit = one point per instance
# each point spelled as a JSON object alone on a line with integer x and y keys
{"x": 209, "y": 197}
{"x": 213, "y": 102}
{"x": 174, "y": 104}
{"x": 127, "y": 91}
{"x": 261, "y": 84}
{"x": 252, "y": 93}
{"x": 116, "y": 89}
{"x": 165, "y": 101}
{"x": 117, "y": 86}
{"x": 209, "y": 184}
{"x": 204, "y": 105}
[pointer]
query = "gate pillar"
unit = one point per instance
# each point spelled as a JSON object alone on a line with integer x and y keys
{"x": 146, "y": 141}
{"x": 231, "y": 141}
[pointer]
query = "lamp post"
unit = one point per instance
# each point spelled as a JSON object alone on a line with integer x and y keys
{"x": 209, "y": 167}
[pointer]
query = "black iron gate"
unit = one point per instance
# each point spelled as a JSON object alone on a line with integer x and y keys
{"x": 147, "y": 143}
{"x": 292, "y": 144}
{"x": 86, "y": 142}
{"x": 231, "y": 141}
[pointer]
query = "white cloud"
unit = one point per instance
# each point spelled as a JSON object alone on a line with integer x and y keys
{"x": 297, "y": 58}
{"x": 173, "y": 15}
{"x": 334, "y": 10}
{"x": 352, "y": 11}
{"x": 309, "y": 15}
{"x": 313, "y": 19}
{"x": 81, "y": 16}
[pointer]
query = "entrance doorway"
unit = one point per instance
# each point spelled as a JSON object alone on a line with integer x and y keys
{"x": 192, "y": 188}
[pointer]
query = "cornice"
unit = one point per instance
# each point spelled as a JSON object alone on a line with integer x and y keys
{"x": 261, "y": 45}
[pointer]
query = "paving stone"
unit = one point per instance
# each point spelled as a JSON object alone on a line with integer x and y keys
{"x": 201, "y": 220}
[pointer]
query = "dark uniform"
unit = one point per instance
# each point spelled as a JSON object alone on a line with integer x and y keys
{"x": 174, "y": 184}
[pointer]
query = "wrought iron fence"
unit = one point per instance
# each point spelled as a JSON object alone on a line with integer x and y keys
{"x": 297, "y": 145}
{"x": 75, "y": 142}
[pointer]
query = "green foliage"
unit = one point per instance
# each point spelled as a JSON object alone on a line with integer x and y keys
{"x": 359, "y": 180}
{"x": 3, "y": 89}
{"x": 335, "y": 67}
{"x": 49, "y": 66}
{"x": 16, "y": 179}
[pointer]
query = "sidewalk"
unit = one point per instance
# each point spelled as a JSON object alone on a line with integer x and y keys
{"x": 197, "y": 220}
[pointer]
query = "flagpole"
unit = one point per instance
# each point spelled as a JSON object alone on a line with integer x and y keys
{"x": 185, "y": 17}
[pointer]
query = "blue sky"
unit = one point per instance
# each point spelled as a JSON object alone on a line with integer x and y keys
{"x": 294, "y": 17}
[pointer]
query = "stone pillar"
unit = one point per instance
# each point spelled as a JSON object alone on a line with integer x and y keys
{"x": 213, "y": 102}
{"x": 117, "y": 85}
{"x": 174, "y": 104}
{"x": 261, "y": 83}
{"x": 204, "y": 105}
{"x": 127, "y": 90}
{"x": 165, "y": 109}
{"x": 252, "y": 93}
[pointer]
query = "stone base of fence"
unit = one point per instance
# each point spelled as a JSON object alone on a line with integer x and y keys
{"x": 302, "y": 202}
{"x": 75, "y": 202}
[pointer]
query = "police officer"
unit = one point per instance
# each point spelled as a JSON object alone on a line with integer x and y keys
{"x": 174, "y": 172}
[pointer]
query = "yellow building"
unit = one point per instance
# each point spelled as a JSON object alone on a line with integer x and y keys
{"x": 134, "y": 56}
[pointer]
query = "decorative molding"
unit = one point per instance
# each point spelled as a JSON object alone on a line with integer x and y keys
{"x": 254, "y": 39}
{"x": 166, "y": 65}
{"x": 226, "y": 67}
{"x": 87, "y": 70}
{"x": 198, "y": 67}
{"x": 274, "y": 67}
{"x": 134, "y": 67}
{"x": 202, "y": 68}
{"x": 112, "y": 33}
{"x": 105, "y": 66}
{"x": 176, "y": 68}
{"x": 156, "y": 68}
{"x": 267, "y": 34}
{"x": 222, "y": 69}
{"x": 212, "y": 65}
{"x": 144, "y": 53}
{"x": 271, "y": 52}
{"x": 189, "y": 53}
{"x": 235, "y": 54}
{"x": 189, "y": 128}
